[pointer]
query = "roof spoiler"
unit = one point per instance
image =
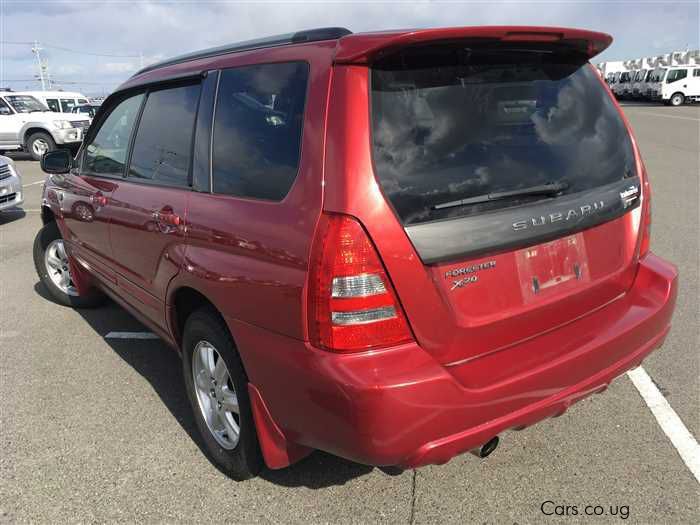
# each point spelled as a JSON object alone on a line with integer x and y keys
{"x": 364, "y": 48}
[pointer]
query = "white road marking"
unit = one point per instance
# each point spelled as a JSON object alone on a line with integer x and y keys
{"x": 651, "y": 114}
{"x": 131, "y": 335}
{"x": 33, "y": 183}
{"x": 668, "y": 420}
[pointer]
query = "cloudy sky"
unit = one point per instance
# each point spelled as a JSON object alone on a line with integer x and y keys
{"x": 76, "y": 35}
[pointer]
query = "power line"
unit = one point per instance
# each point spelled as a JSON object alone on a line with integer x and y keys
{"x": 69, "y": 50}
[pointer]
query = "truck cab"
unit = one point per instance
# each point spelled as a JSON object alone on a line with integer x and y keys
{"x": 623, "y": 85}
{"x": 58, "y": 101}
{"x": 681, "y": 85}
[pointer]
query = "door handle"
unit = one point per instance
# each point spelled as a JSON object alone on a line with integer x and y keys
{"x": 98, "y": 199}
{"x": 167, "y": 216}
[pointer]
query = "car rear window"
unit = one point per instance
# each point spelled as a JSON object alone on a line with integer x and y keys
{"x": 453, "y": 122}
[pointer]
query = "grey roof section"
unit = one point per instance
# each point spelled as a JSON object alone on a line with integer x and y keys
{"x": 310, "y": 35}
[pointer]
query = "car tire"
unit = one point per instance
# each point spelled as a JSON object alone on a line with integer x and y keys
{"x": 49, "y": 251}
{"x": 206, "y": 341}
{"x": 40, "y": 143}
{"x": 677, "y": 99}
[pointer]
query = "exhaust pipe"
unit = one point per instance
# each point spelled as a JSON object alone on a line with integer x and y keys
{"x": 487, "y": 448}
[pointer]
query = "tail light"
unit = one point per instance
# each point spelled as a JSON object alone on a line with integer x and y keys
{"x": 352, "y": 304}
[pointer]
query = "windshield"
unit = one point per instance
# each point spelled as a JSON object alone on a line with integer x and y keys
{"x": 447, "y": 127}
{"x": 25, "y": 103}
{"x": 640, "y": 75}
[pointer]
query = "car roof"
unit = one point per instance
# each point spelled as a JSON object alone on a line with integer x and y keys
{"x": 362, "y": 48}
{"x": 300, "y": 37}
{"x": 354, "y": 47}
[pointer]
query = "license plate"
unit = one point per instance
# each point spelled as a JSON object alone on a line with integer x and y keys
{"x": 553, "y": 267}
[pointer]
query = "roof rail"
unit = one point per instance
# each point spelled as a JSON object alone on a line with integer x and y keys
{"x": 309, "y": 35}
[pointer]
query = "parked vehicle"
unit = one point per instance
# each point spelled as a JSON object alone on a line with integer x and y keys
{"x": 622, "y": 88}
{"x": 88, "y": 110}
{"x": 389, "y": 246}
{"x": 26, "y": 124}
{"x": 654, "y": 84}
{"x": 58, "y": 101}
{"x": 10, "y": 184}
{"x": 644, "y": 87}
{"x": 638, "y": 83}
{"x": 681, "y": 85}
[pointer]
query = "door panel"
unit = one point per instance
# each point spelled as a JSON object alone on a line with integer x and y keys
{"x": 85, "y": 205}
{"x": 10, "y": 126}
{"x": 149, "y": 224}
{"x": 148, "y": 238}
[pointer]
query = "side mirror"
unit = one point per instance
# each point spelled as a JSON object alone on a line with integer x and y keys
{"x": 57, "y": 161}
{"x": 5, "y": 111}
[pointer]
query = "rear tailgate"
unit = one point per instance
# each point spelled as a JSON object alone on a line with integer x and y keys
{"x": 457, "y": 120}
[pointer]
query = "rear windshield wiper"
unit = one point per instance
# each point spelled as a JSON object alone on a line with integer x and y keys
{"x": 552, "y": 188}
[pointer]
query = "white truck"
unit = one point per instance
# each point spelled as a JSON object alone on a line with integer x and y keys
{"x": 58, "y": 101}
{"x": 680, "y": 84}
{"x": 26, "y": 124}
{"x": 623, "y": 84}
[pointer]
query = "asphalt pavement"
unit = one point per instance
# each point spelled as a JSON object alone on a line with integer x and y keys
{"x": 99, "y": 430}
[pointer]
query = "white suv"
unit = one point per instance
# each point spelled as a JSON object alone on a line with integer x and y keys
{"x": 26, "y": 124}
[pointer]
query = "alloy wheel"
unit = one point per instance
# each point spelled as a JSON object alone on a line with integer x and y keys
{"x": 40, "y": 146}
{"x": 57, "y": 267}
{"x": 216, "y": 395}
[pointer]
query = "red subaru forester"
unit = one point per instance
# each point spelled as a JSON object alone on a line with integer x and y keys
{"x": 389, "y": 246}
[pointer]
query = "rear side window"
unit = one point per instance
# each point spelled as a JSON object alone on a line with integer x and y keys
{"x": 67, "y": 105}
{"x": 52, "y": 103}
{"x": 696, "y": 72}
{"x": 163, "y": 145}
{"x": 106, "y": 152}
{"x": 257, "y": 129}
{"x": 450, "y": 124}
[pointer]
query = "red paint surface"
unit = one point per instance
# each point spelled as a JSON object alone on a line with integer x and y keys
{"x": 487, "y": 357}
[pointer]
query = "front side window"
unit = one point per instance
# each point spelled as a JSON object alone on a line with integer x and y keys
{"x": 676, "y": 74}
{"x": 696, "y": 72}
{"x": 53, "y": 105}
{"x": 4, "y": 108}
{"x": 258, "y": 128}
{"x": 448, "y": 127}
{"x": 67, "y": 105}
{"x": 163, "y": 144}
{"x": 106, "y": 153}
{"x": 25, "y": 104}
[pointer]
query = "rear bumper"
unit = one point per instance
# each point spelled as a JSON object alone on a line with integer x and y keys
{"x": 400, "y": 407}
